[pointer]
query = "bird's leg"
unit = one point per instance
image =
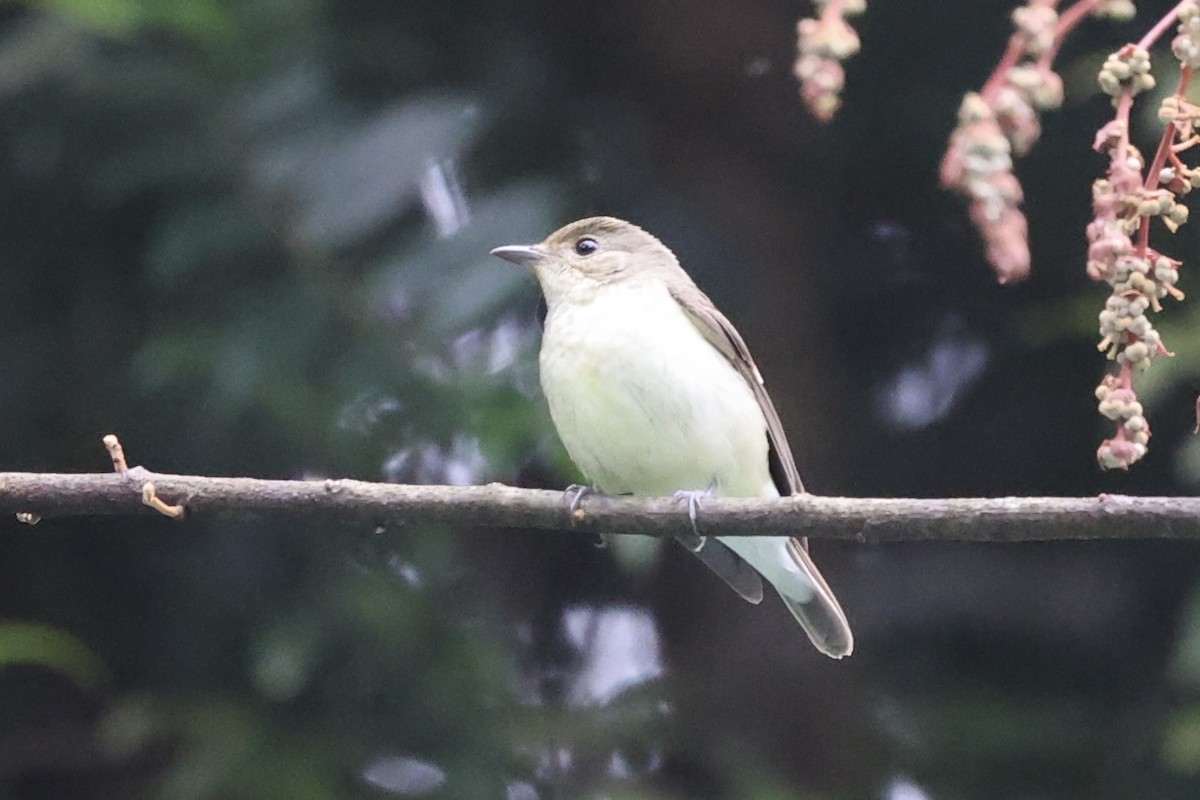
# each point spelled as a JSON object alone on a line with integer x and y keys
{"x": 694, "y": 541}
{"x": 576, "y": 492}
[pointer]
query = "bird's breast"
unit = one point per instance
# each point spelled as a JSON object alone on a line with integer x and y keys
{"x": 643, "y": 403}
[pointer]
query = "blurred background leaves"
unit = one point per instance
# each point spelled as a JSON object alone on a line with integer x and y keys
{"x": 251, "y": 238}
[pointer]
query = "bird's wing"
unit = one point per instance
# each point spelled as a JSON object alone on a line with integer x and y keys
{"x": 727, "y": 565}
{"x": 721, "y": 334}
{"x": 815, "y": 607}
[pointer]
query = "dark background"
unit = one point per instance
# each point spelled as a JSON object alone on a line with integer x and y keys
{"x": 251, "y": 239}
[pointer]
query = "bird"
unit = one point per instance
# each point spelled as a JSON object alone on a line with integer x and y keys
{"x": 653, "y": 392}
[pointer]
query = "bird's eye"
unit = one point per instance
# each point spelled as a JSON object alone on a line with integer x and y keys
{"x": 586, "y": 246}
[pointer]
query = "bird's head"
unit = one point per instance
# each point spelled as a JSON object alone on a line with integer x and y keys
{"x": 591, "y": 253}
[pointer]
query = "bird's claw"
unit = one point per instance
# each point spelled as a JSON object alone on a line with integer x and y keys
{"x": 576, "y": 491}
{"x": 693, "y": 500}
{"x": 575, "y": 494}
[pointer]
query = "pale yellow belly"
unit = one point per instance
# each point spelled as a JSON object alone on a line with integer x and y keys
{"x": 645, "y": 405}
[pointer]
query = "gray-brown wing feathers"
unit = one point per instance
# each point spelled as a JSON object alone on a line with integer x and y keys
{"x": 723, "y": 336}
{"x": 728, "y": 566}
{"x": 819, "y": 614}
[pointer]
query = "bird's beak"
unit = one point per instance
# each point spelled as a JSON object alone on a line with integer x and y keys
{"x": 519, "y": 253}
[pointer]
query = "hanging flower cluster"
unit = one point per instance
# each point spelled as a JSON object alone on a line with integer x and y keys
{"x": 822, "y": 44}
{"x": 1001, "y": 122}
{"x": 1124, "y": 204}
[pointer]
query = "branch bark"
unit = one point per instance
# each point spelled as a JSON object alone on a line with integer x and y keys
{"x": 1006, "y": 519}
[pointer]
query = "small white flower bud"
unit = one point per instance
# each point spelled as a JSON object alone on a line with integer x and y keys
{"x": 1135, "y": 353}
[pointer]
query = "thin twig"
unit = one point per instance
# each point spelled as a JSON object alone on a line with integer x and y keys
{"x": 1008, "y": 519}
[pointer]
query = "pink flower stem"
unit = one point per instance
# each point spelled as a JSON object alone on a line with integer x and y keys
{"x": 1012, "y": 55}
{"x": 1165, "y": 151}
{"x": 999, "y": 75}
{"x": 1166, "y": 144}
{"x": 1124, "y": 104}
{"x": 1067, "y": 22}
{"x": 1152, "y": 35}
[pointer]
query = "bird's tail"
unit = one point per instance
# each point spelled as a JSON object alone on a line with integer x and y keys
{"x": 817, "y": 609}
{"x": 786, "y": 564}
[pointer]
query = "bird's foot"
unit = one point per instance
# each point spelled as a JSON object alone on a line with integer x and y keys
{"x": 694, "y": 541}
{"x": 576, "y": 492}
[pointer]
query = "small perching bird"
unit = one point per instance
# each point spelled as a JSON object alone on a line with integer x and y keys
{"x": 654, "y": 393}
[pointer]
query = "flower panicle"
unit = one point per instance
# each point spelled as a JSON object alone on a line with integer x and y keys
{"x": 1001, "y": 122}
{"x": 1125, "y": 202}
{"x": 823, "y": 42}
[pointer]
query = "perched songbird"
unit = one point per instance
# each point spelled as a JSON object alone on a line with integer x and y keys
{"x": 654, "y": 393}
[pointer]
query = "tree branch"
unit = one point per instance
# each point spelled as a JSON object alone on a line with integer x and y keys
{"x": 1007, "y": 519}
